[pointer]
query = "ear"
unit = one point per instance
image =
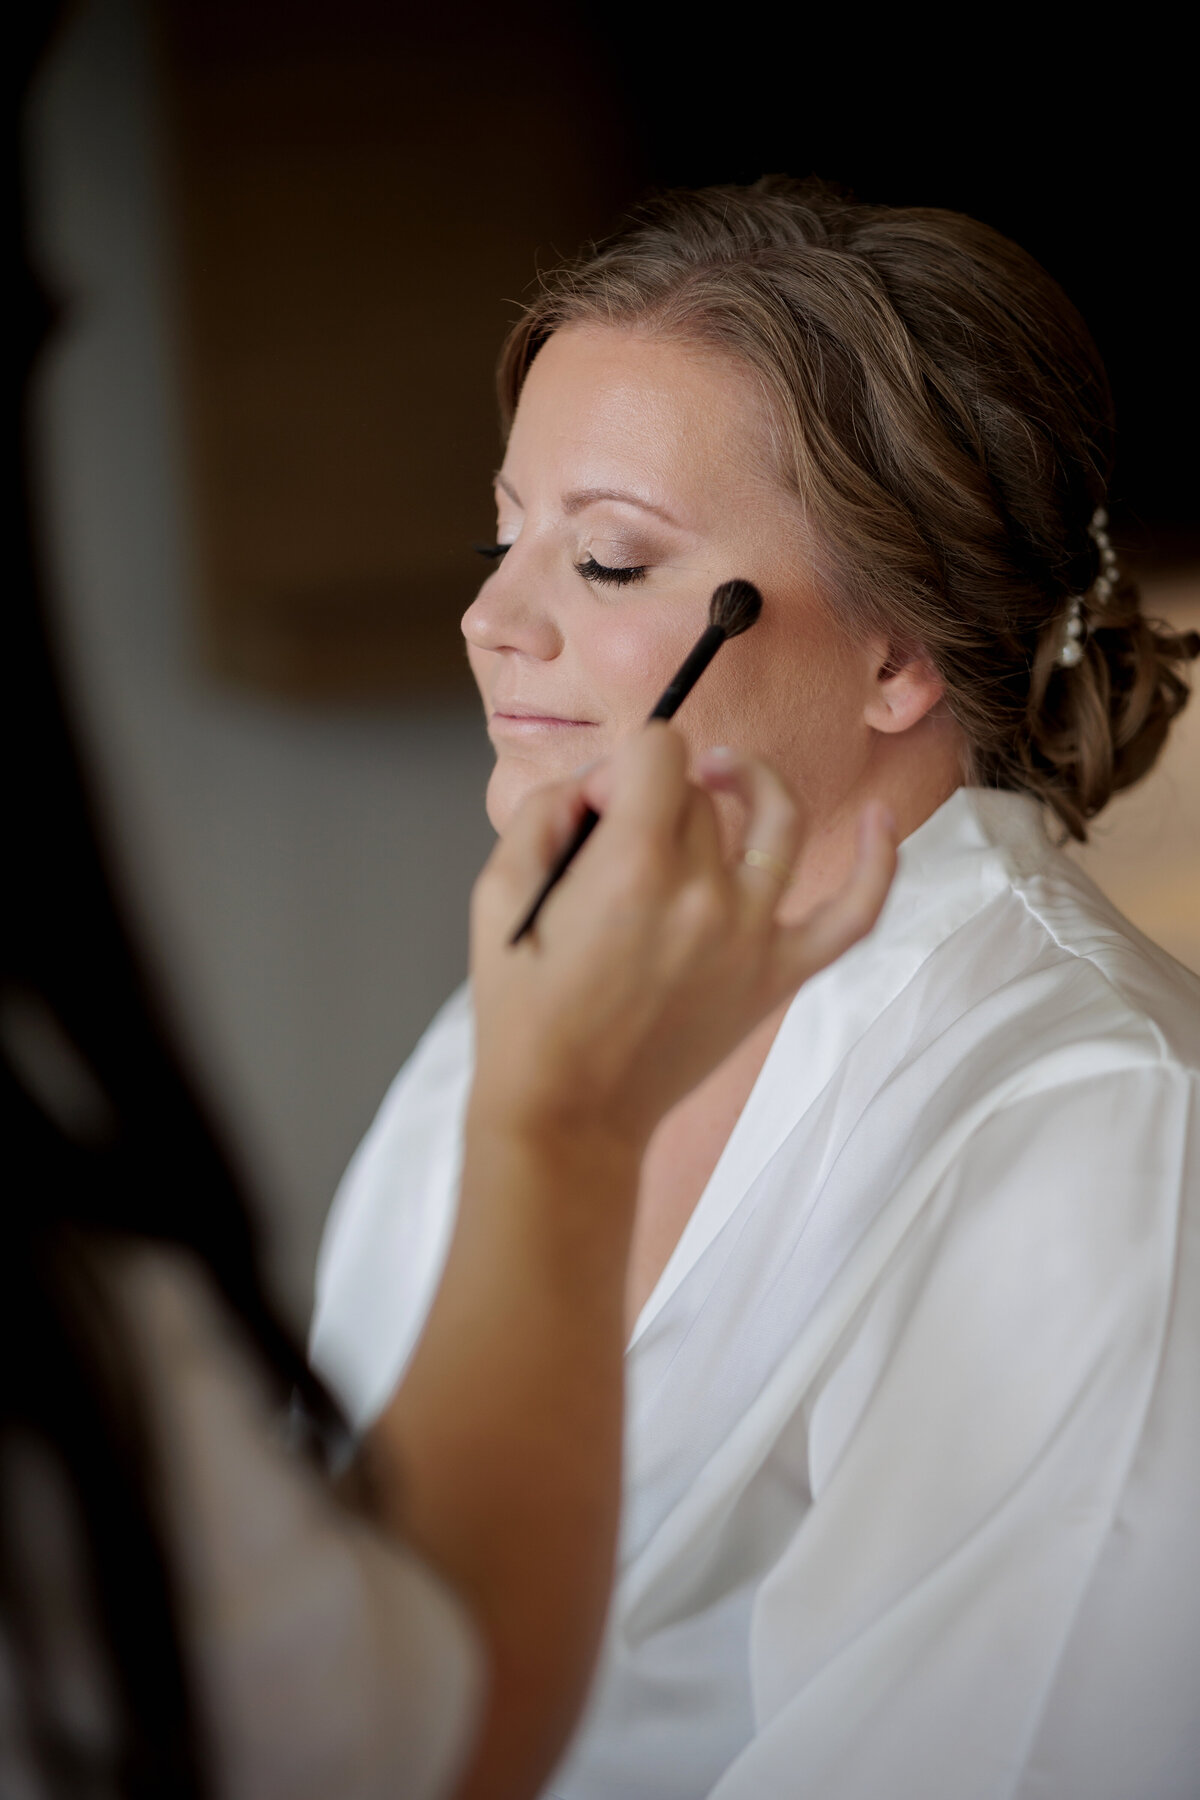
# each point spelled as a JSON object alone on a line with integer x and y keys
{"x": 903, "y": 686}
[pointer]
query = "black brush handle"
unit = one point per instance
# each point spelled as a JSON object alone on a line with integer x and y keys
{"x": 671, "y": 699}
{"x": 689, "y": 673}
{"x": 557, "y": 870}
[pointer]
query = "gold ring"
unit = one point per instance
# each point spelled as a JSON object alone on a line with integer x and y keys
{"x": 762, "y": 859}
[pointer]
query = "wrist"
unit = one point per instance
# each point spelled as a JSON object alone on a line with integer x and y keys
{"x": 569, "y": 1179}
{"x": 559, "y": 1134}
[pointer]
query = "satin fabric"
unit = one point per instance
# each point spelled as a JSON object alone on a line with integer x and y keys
{"x": 912, "y": 1481}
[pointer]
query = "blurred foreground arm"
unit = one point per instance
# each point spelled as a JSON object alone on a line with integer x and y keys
{"x": 499, "y": 1456}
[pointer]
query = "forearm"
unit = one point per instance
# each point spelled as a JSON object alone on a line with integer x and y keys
{"x": 499, "y": 1456}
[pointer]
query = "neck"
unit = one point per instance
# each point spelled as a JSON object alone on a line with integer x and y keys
{"x": 913, "y": 775}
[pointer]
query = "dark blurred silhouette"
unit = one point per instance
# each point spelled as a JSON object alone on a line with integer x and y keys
{"x": 105, "y": 1141}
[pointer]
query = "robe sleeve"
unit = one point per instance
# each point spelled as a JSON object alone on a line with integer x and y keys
{"x": 331, "y": 1663}
{"x": 995, "y": 1589}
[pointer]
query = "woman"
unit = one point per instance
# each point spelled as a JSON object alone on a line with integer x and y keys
{"x": 187, "y": 1607}
{"x": 909, "y": 1489}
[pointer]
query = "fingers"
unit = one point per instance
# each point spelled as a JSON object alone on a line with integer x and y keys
{"x": 644, "y": 794}
{"x": 641, "y": 792}
{"x": 643, "y": 788}
{"x": 805, "y": 949}
{"x": 770, "y": 836}
{"x": 539, "y": 828}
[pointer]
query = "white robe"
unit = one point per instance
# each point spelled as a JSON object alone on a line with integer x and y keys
{"x": 912, "y": 1488}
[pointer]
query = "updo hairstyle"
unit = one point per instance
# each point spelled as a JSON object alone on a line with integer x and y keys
{"x": 942, "y": 415}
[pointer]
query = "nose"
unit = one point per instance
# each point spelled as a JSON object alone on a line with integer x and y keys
{"x": 507, "y": 614}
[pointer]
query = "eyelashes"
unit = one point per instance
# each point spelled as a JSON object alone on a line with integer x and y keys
{"x": 589, "y": 568}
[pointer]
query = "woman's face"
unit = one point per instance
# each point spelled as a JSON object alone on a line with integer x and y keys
{"x": 638, "y": 477}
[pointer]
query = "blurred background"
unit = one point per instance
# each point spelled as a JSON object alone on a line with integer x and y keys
{"x": 286, "y": 241}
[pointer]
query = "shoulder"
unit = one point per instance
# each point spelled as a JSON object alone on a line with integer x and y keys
{"x": 1043, "y": 973}
{"x": 1143, "y": 985}
{"x": 1034, "y": 1115}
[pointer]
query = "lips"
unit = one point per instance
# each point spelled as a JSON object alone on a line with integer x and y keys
{"x": 515, "y": 718}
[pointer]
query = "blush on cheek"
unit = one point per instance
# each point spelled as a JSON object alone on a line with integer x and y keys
{"x": 633, "y": 659}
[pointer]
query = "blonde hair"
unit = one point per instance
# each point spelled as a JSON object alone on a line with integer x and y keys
{"x": 945, "y": 420}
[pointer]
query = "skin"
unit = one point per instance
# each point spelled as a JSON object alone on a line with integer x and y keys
{"x": 568, "y": 667}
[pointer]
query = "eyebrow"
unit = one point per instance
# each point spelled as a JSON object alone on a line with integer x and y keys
{"x": 585, "y": 497}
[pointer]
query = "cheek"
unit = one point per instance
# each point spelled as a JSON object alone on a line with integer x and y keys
{"x": 627, "y": 656}
{"x": 477, "y": 661}
{"x": 785, "y": 696}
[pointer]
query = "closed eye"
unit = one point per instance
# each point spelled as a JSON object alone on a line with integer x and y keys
{"x": 591, "y": 570}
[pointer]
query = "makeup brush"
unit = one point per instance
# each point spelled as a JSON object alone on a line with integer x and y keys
{"x": 734, "y": 607}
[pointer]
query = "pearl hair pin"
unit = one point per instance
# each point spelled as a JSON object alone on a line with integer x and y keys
{"x": 1101, "y": 591}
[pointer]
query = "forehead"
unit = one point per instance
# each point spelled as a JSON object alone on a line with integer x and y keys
{"x": 606, "y": 406}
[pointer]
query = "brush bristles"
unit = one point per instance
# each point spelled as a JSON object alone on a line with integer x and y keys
{"x": 734, "y": 607}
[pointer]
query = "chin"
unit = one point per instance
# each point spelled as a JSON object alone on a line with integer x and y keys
{"x": 520, "y": 772}
{"x": 506, "y": 788}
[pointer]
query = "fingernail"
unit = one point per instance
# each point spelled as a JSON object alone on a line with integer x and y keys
{"x": 585, "y": 769}
{"x": 719, "y": 753}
